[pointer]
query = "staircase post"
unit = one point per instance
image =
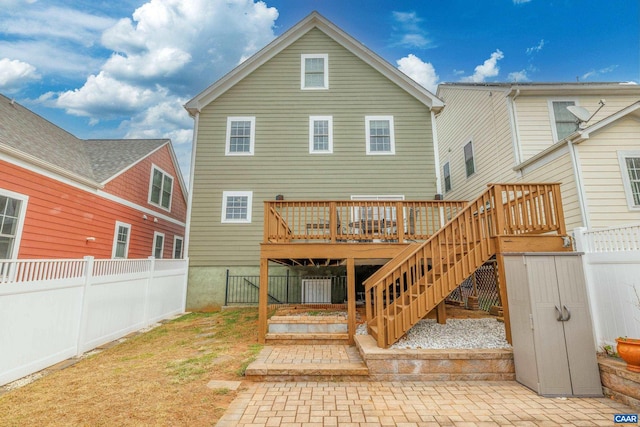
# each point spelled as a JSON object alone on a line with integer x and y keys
{"x": 351, "y": 299}
{"x": 499, "y": 209}
{"x": 263, "y": 299}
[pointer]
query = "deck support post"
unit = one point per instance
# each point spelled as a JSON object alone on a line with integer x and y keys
{"x": 441, "y": 313}
{"x": 263, "y": 300}
{"x": 502, "y": 287}
{"x": 351, "y": 299}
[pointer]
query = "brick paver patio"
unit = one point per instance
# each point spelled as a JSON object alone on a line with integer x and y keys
{"x": 473, "y": 403}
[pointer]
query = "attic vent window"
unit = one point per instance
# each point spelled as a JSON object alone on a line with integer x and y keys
{"x": 314, "y": 72}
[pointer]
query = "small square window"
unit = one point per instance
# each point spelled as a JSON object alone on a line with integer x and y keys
{"x": 160, "y": 188}
{"x": 240, "y": 136}
{"x": 314, "y": 71}
{"x": 469, "y": 162}
{"x": 236, "y": 206}
{"x": 446, "y": 172}
{"x": 320, "y": 134}
{"x": 380, "y": 135}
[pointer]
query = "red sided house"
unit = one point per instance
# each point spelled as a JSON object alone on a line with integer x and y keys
{"x": 63, "y": 197}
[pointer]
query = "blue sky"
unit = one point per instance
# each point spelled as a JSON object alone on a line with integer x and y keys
{"x": 123, "y": 69}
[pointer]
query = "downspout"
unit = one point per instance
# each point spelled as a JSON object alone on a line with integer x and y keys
{"x": 436, "y": 152}
{"x": 577, "y": 172}
{"x": 515, "y": 134}
{"x": 187, "y": 230}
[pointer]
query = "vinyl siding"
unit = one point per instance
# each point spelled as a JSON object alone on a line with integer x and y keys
{"x": 60, "y": 217}
{"x": 282, "y": 163}
{"x": 602, "y": 176}
{"x": 561, "y": 170}
{"x": 534, "y": 120}
{"x": 481, "y": 116}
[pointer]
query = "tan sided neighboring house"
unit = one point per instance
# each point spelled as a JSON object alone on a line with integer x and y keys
{"x": 507, "y": 132}
{"x": 315, "y": 115}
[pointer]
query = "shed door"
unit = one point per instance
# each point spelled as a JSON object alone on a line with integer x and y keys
{"x": 551, "y": 352}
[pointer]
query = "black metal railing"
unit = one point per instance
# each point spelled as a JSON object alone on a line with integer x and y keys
{"x": 286, "y": 289}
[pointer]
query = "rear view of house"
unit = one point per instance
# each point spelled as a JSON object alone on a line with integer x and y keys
{"x": 315, "y": 115}
{"x": 63, "y": 197}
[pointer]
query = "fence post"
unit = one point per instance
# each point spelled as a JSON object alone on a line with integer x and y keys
{"x": 582, "y": 245}
{"x": 226, "y": 290}
{"x": 287, "y": 286}
{"x": 147, "y": 291}
{"x": 580, "y": 239}
{"x": 84, "y": 305}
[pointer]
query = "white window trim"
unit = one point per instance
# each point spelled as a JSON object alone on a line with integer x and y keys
{"x": 24, "y": 199}
{"x": 303, "y": 57}
{"x": 252, "y": 135}
{"x": 157, "y": 234}
{"x": 473, "y": 158}
{"x": 173, "y": 251}
{"x": 154, "y": 168}
{"x": 312, "y": 120}
{"x": 392, "y": 138}
{"x": 444, "y": 182}
{"x": 115, "y": 239}
{"x": 552, "y": 117}
{"x": 626, "y": 182}
{"x": 226, "y": 195}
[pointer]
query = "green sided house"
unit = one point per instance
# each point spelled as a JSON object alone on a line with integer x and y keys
{"x": 317, "y": 158}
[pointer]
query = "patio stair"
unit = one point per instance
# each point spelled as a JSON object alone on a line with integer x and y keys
{"x": 419, "y": 278}
{"x": 307, "y": 330}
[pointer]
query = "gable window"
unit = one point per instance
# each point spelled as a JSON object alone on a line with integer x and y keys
{"x": 240, "y": 136}
{"x": 320, "y": 134}
{"x": 160, "y": 188}
{"x": 564, "y": 122}
{"x": 158, "y": 245}
{"x": 469, "y": 163}
{"x": 380, "y": 135}
{"x": 630, "y": 168}
{"x": 314, "y": 71}
{"x": 121, "y": 240}
{"x": 178, "y": 247}
{"x": 12, "y": 213}
{"x": 446, "y": 173}
{"x": 236, "y": 206}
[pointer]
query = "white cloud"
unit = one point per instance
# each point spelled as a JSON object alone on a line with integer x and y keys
{"x": 596, "y": 73}
{"x": 14, "y": 73}
{"x": 422, "y": 72}
{"x": 488, "y": 69}
{"x": 408, "y": 31}
{"x": 518, "y": 76}
{"x": 535, "y": 49}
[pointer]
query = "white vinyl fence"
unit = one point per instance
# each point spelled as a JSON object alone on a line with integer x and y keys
{"x": 51, "y": 310}
{"x": 612, "y": 271}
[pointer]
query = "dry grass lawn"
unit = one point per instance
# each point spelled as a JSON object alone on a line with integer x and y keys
{"x": 156, "y": 378}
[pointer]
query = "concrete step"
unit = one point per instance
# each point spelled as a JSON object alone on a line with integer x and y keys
{"x": 301, "y": 338}
{"x": 307, "y": 363}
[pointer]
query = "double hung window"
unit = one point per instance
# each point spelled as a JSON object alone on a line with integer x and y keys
{"x": 314, "y": 72}
{"x": 121, "y": 240}
{"x": 161, "y": 187}
{"x": 320, "y": 134}
{"x": 240, "y": 136}
{"x": 630, "y": 168}
{"x": 565, "y": 123}
{"x": 469, "y": 162}
{"x": 12, "y": 213}
{"x": 236, "y": 206}
{"x": 380, "y": 135}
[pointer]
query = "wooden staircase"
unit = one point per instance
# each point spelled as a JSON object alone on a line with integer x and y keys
{"x": 420, "y": 277}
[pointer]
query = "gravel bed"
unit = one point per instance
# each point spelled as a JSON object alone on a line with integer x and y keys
{"x": 456, "y": 333}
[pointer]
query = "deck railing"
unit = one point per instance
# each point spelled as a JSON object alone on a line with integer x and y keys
{"x": 356, "y": 221}
{"x": 420, "y": 277}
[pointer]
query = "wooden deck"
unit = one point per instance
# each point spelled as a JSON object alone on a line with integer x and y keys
{"x": 426, "y": 248}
